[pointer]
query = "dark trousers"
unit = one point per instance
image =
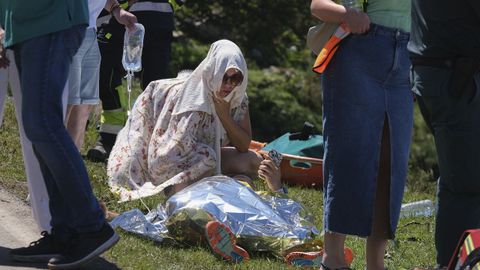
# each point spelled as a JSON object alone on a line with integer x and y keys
{"x": 44, "y": 64}
{"x": 455, "y": 123}
{"x": 155, "y": 65}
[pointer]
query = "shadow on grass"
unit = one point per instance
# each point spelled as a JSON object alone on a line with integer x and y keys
{"x": 97, "y": 264}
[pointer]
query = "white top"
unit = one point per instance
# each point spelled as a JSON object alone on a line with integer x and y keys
{"x": 207, "y": 79}
{"x": 94, "y": 9}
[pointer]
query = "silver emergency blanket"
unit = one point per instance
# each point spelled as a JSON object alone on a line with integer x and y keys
{"x": 246, "y": 212}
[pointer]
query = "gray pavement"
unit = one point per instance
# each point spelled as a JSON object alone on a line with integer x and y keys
{"x": 18, "y": 229}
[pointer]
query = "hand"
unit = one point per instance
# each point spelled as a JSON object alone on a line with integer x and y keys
{"x": 4, "y": 61}
{"x": 356, "y": 21}
{"x": 222, "y": 107}
{"x": 271, "y": 174}
{"x": 126, "y": 18}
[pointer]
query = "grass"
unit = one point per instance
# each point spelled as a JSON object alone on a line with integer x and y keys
{"x": 413, "y": 246}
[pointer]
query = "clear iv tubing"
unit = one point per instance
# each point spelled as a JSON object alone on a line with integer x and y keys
{"x": 129, "y": 77}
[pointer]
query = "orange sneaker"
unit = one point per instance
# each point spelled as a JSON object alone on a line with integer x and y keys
{"x": 313, "y": 259}
{"x": 305, "y": 259}
{"x": 223, "y": 242}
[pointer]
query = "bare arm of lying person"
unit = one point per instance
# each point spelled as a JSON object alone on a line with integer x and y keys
{"x": 271, "y": 173}
{"x": 267, "y": 171}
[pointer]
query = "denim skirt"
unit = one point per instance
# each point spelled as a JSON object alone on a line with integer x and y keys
{"x": 365, "y": 84}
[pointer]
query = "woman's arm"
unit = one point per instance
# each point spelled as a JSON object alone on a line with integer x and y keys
{"x": 122, "y": 16}
{"x": 240, "y": 135}
{"x": 328, "y": 11}
{"x": 356, "y": 21}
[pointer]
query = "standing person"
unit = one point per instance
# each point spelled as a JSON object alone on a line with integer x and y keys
{"x": 368, "y": 119}
{"x": 157, "y": 16}
{"x": 445, "y": 51}
{"x": 44, "y": 37}
{"x": 84, "y": 75}
{"x": 38, "y": 196}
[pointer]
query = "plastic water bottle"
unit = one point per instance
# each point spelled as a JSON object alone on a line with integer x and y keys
{"x": 423, "y": 208}
{"x": 352, "y": 4}
{"x": 132, "y": 48}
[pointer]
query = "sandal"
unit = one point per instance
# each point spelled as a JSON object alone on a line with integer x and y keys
{"x": 223, "y": 243}
{"x": 324, "y": 267}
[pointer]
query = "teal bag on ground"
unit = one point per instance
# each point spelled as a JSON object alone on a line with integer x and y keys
{"x": 311, "y": 147}
{"x": 302, "y": 154}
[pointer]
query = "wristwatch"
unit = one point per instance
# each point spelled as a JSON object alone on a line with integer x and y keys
{"x": 282, "y": 190}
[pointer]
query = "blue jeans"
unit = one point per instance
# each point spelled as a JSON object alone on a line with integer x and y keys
{"x": 44, "y": 64}
{"x": 455, "y": 123}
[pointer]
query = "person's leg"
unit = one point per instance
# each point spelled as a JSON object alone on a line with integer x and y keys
{"x": 83, "y": 87}
{"x": 456, "y": 129}
{"x": 36, "y": 186}
{"x": 77, "y": 122}
{"x": 77, "y": 220}
{"x": 198, "y": 227}
{"x": 333, "y": 253}
{"x": 156, "y": 55}
{"x": 377, "y": 241}
{"x": 234, "y": 162}
{"x": 113, "y": 116}
{"x": 44, "y": 66}
{"x": 223, "y": 242}
{"x": 3, "y": 90}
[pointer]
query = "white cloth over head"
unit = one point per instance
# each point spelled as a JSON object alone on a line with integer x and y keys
{"x": 173, "y": 134}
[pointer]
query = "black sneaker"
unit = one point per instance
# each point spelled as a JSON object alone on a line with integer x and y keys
{"x": 98, "y": 153}
{"x": 84, "y": 248}
{"x": 41, "y": 250}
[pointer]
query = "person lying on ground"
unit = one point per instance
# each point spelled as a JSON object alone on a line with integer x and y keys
{"x": 227, "y": 215}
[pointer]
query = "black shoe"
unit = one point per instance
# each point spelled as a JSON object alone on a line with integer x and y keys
{"x": 98, "y": 154}
{"x": 41, "y": 250}
{"x": 84, "y": 248}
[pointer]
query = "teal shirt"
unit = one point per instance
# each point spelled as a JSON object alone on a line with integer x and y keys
{"x": 26, "y": 19}
{"x": 390, "y": 13}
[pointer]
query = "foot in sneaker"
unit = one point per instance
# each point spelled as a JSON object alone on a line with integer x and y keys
{"x": 98, "y": 154}
{"x": 84, "y": 248}
{"x": 222, "y": 241}
{"x": 314, "y": 259}
{"x": 304, "y": 259}
{"x": 41, "y": 250}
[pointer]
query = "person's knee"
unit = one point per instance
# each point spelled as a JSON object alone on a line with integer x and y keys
{"x": 253, "y": 162}
{"x": 35, "y": 130}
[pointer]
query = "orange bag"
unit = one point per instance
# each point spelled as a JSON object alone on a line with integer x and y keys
{"x": 297, "y": 170}
{"x": 330, "y": 48}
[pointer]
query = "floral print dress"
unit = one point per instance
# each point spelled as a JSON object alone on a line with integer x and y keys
{"x": 156, "y": 149}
